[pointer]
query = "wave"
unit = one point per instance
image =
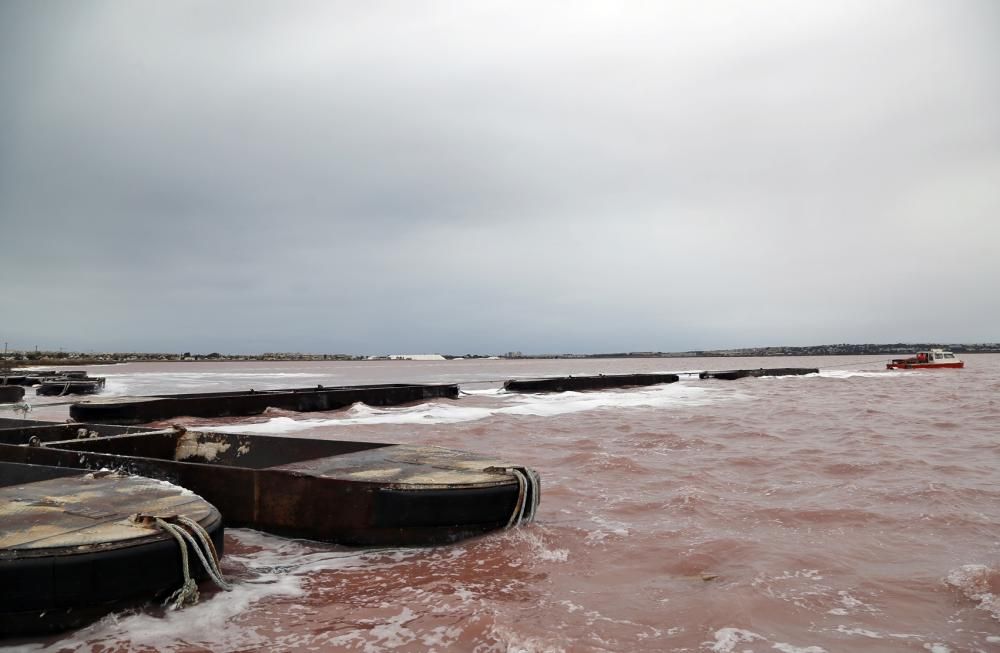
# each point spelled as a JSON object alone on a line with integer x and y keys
{"x": 978, "y": 583}
{"x": 848, "y": 374}
{"x": 525, "y": 405}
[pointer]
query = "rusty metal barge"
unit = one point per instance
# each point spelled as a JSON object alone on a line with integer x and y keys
{"x": 598, "y": 382}
{"x": 352, "y": 493}
{"x": 732, "y": 375}
{"x": 142, "y": 410}
{"x": 76, "y": 545}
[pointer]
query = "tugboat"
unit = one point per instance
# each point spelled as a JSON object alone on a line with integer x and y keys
{"x": 927, "y": 360}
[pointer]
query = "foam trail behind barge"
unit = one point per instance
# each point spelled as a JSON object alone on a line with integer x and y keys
{"x": 141, "y": 410}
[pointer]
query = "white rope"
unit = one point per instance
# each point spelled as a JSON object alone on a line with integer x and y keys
{"x": 215, "y": 576}
{"x": 515, "y": 517}
{"x": 212, "y": 566}
{"x": 536, "y": 492}
{"x": 528, "y": 495}
{"x": 188, "y": 592}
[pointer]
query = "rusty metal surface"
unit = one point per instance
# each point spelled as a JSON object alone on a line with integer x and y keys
{"x": 406, "y": 465}
{"x": 356, "y": 493}
{"x": 87, "y": 511}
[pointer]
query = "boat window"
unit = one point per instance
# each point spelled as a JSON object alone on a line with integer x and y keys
{"x": 949, "y": 355}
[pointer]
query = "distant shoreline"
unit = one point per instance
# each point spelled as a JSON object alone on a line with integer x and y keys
{"x": 55, "y": 359}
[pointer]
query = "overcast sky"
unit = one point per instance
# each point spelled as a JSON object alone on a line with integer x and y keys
{"x": 492, "y": 176}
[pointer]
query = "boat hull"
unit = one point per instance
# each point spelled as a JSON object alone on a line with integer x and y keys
{"x": 925, "y": 366}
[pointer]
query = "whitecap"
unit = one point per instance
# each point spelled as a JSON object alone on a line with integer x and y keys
{"x": 976, "y": 582}
{"x": 528, "y": 405}
{"x": 726, "y": 639}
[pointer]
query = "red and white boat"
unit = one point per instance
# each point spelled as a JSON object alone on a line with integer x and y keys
{"x": 927, "y": 360}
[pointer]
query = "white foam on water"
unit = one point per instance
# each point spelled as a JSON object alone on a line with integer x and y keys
{"x": 849, "y": 374}
{"x": 782, "y": 377}
{"x": 871, "y": 634}
{"x": 482, "y": 392}
{"x": 937, "y": 648}
{"x": 514, "y": 642}
{"x": 528, "y": 405}
{"x": 114, "y": 386}
{"x": 145, "y": 383}
{"x": 664, "y": 396}
{"x": 535, "y": 539}
{"x": 788, "y": 648}
{"x": 387, "y": 632}
{"x": 361, "y": 414}
{"x": 726, "y": 639}
{"x": 976, "y": 583}
{"x": 216, "y": 375}
{"x": 851, "y": 605}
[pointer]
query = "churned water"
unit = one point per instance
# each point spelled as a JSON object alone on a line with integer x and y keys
{"x": 853, "y": 510}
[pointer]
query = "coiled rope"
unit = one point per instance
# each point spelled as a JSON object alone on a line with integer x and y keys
{"x": 187, "y": 593}
{"x": 528, "y": 494}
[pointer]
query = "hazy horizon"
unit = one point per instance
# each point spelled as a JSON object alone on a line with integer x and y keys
{"x": 496, "y": 353}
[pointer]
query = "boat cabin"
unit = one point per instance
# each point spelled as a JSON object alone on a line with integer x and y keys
{"x": 927, "y": 359}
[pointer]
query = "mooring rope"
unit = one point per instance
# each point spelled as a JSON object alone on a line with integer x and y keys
{"x": 187, "y": 593}
{"x": 528, "y": 494}
{"x": 212, "y": 564}
{"x": 522, "y": 495}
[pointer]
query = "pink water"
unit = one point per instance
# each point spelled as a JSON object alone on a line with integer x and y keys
{"x": 854, "y": 510}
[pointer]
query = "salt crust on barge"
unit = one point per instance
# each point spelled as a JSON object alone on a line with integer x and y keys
{"x": 417, "y": 465}
{"x": 88, "y": 510}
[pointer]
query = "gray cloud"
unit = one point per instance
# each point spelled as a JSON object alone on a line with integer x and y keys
{"x": 338, "y": 177}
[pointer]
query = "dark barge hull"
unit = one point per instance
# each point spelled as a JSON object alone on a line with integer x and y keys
{"x": 50, "y": 387}
{"x": 732, "y": 375}
{"x": 70, "y": 552}
{"x": 10, "y": 394}
{"x": 142, "y": 410}
{"x": 352, "y": 493}
{"x": 602, "y": 381}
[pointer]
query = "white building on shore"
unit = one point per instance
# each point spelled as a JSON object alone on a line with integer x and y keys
{"x": 414, "y": 357}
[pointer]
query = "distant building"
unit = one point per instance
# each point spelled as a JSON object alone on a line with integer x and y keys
{"x": 416, "y": 357}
